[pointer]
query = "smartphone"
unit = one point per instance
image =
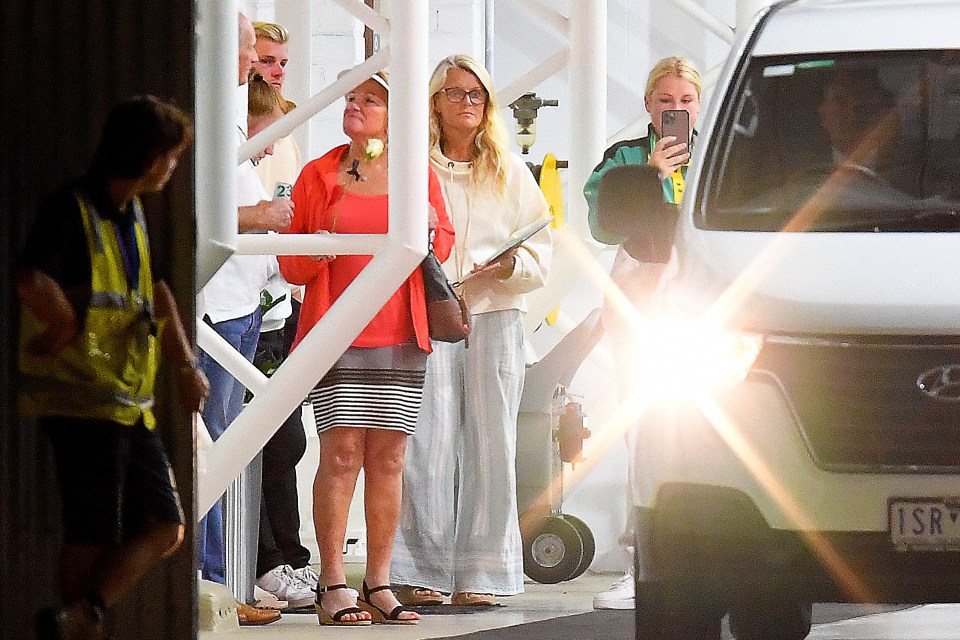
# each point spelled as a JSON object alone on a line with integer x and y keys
{"x": 676, "y": 122}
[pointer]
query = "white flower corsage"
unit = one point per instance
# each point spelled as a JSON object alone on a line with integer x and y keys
{"x": 374, "y": 148}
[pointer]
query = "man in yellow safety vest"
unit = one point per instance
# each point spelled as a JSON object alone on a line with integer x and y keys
{"x": 92, "y": 322}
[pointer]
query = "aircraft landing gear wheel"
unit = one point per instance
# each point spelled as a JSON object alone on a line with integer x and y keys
{"x": 552, "y": 550}
{"x": 589, "y": 544}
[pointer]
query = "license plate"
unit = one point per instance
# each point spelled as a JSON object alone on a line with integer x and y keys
{"x": 925, "y": 524}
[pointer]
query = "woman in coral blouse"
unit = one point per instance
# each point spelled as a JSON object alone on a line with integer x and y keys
{"x": 366, "y": 406}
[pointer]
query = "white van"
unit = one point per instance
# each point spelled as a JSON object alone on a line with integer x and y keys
{"x": 800, "y": 439}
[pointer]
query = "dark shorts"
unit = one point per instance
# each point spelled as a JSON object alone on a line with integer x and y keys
{"x": 114, "y": 479}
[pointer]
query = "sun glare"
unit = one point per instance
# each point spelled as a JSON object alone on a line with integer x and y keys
{"x": 689, "y": 359}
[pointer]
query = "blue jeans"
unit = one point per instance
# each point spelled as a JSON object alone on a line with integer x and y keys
{"x": 219, "y": 409}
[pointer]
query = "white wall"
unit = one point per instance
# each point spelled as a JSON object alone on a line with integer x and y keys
{"x": 325, "y": 40}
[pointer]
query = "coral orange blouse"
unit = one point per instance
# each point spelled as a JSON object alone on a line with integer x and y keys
{"x": 320, "y": 203}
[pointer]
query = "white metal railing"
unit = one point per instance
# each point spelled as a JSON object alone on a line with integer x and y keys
{"x": 394, "y": 255}
{"x": 545, "y": 69}
{"x": 359, "y": 10}
{"x": 397, "y": 253}
{"x": 216, "y": 96}
{"x": 746, "y": 12}
{"x": 548, "y": 15}
{"x": 586, "y": 56}
{"x": 707, "y": 19}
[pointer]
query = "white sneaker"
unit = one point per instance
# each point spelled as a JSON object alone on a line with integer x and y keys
{"x": 619, "y": 596}
{"x": 308, "y": 576}
{"x": 285, "y": 584}
{"x": 266, "y": 600}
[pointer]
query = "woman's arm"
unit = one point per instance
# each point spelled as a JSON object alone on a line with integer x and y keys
{"x": 309, "y": 198}
{"x": 621, "y": 153}
{"x": 534, "y": 256}
{"x": 444, "y": 233}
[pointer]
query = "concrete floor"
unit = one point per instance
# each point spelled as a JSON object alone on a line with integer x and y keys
{"x": 538, "y": 602}
{"x": 541, "y": 602}
{"x": 927, "y": 622}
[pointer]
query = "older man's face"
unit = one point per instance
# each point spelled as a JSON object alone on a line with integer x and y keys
{"x": 248, "y": 50}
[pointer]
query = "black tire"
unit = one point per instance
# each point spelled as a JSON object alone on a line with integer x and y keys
{"x": 659, "y": 616}
{"x": 786, "y": 620}
{"x": 589, "y": 544}
{"x": 552, "y": 552}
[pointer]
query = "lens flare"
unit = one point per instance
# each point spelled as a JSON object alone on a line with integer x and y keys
{"x": 688, "y": 360}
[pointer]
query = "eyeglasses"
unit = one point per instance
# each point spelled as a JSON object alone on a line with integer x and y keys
{"x": 456, "y": 94}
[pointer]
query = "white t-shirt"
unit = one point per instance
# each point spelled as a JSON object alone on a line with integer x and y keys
{"x": 234, "y": 290}
{"x": 283, "y": 166}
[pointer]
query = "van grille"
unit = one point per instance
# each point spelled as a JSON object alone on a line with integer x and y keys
{"x": 859, "y": 405}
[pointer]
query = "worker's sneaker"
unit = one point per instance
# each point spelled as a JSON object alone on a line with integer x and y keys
{"x": 285, "y": 584}
{"x": 618, "y": 596}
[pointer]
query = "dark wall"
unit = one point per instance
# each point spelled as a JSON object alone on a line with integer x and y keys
{"x": 68, "y": 62}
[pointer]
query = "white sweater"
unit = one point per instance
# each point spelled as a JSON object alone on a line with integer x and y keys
{"x": 484, "y": 220}
{"x": 282, "y": 166}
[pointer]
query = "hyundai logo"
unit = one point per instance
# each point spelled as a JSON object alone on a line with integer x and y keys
{"x": 941, "y": 383}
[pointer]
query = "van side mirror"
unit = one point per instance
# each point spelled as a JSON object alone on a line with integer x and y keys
{"x": 630, "y": 203}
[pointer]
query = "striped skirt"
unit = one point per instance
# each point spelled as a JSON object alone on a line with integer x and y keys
{"x": 375, "y": 388}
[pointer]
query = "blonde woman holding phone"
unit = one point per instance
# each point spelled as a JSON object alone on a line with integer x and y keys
{"x": 672, "y": 98}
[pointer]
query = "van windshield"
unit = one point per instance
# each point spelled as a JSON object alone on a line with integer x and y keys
{"x": 845, "y": 142}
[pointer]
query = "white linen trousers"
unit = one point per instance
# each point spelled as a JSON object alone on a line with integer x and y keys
{"x": 459, "y": 529}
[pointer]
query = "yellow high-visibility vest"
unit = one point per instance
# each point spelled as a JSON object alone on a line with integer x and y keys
{"x": 108, "y": 371}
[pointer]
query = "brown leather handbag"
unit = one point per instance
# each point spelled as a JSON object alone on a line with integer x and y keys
{"x": 447, "y": 313}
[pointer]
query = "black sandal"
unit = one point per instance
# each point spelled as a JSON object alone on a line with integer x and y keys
{"x": 378, "y": 614}
{"x": 336, "y": 619}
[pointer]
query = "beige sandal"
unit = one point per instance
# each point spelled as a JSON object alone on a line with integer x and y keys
{"x": 411, "y": 596}
{"x": 467, "y": 599}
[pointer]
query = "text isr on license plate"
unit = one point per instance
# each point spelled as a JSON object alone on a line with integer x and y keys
{"x": 930, "y": 524}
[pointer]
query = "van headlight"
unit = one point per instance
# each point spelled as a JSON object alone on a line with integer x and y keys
{"x": 680, "y": 358}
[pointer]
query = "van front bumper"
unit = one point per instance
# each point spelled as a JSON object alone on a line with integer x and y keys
{"x": 713, "y": 541}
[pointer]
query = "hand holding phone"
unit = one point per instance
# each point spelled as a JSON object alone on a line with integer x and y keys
{"x": 676, "y": 122}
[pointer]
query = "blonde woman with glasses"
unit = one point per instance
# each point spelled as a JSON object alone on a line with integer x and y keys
{"x": 459, "y": 531}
